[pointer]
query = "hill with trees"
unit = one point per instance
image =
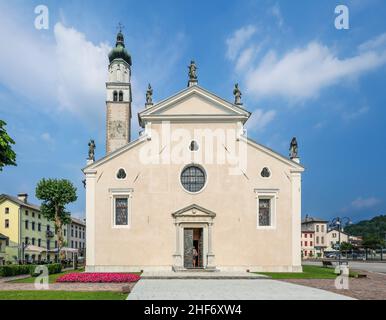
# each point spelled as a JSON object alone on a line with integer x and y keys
{"x": 373, "y": 231}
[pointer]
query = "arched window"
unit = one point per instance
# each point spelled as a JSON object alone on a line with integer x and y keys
{"x": 120, "y": 96}
{"x": 115, "y": 96}
{"x": 193, "y": 178}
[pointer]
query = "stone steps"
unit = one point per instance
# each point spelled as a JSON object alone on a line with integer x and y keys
{"x": 186, "y": 274}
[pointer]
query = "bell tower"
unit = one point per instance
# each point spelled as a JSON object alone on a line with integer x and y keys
{"x": 118, "y": 101}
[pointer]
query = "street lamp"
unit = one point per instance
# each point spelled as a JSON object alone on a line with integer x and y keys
{"x": 339, "y": 223}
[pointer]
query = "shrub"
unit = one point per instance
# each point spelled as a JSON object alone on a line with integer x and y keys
{"x": 14, "y": 270}
{"x": 52, "y": 269}
{"x": 98, "y": 277}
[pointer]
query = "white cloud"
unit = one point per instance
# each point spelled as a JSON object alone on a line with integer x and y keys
{"x": 238, "y": 39}
{"x": 365, "y": 203}
{"x": 376, "y": 43}
{"x": 303, "y": 73}
{"x": 63, "y": 71}
{"x": 276, "y": 12}
{"x": 82, "y": 71}
{"x": 348, "y": 116}
{"x": 67, "y": 73}
{"x": 245, "y": 58}
{"x": 260, "y": 119}
{"x": 46, "y": 137}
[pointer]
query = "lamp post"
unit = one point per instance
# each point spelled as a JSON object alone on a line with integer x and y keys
{"x": 338, "y": 223}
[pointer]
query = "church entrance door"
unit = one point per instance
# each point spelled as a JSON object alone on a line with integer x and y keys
{"x": 193, "y": 248}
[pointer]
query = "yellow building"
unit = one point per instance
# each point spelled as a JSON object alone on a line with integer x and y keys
{"x": 30, "y": 235}
{"x": 3, "y": 244}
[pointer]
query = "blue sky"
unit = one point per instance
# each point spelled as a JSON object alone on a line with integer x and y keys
{"x": 300, "y": 76}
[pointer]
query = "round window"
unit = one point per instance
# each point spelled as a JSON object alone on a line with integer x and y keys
{"x": 265, "y": 173}
{"x": 193, "y": 178}
{"x": 121, "y": 174}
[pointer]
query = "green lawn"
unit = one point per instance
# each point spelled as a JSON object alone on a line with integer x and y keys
{"x": 51, "y": 278}
{"x": 309, "y": 272}
{"x": 61, "y": 295}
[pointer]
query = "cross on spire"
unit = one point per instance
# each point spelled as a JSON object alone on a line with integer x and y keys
{"x": 120, "y": 27}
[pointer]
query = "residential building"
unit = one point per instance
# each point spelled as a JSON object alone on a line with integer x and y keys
{"x": 333, "y": 239}
{"x": 150, "y": 202}
{"x": 4, "y": 241}
{"x": 319, "y": 228}
{"x": 29, "y": 233}
{"x": 308, "y": 244}
{"x": 356, "y": 241}
{"x": 76, "y": 235}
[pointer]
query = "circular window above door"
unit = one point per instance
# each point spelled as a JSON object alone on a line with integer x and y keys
{"x": 193, "y": 178}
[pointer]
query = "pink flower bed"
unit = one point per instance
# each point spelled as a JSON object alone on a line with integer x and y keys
{"x": 98, "y": 277}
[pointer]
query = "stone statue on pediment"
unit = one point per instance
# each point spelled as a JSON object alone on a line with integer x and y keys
{"x": 293, "y": 150}
{"x": 149, "y": 95}
{"x": 91, "y": 150}
{"x": 192, "y": 70}
{"x": 237, "y": 93}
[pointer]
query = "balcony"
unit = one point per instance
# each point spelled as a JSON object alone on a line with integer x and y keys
{"x": 49, "y": 234}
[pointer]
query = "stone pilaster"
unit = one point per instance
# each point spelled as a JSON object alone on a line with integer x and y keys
{"x": 90, "y": 219}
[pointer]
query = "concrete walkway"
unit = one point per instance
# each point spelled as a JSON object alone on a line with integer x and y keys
{"x": 200, "y": 275}
{"x": 210, "y": 289}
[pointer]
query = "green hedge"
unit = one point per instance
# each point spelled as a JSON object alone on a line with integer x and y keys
{"x": 15, "y": 270}
{"x": 52, "y": 269}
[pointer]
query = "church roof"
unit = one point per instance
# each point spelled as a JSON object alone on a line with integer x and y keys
{"x": 273, "y": 153}
{"x": 115, "y": 153}
{"x": 119, "y": 52}
{"x": 155, "y": 111}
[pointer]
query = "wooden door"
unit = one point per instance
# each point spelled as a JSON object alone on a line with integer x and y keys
{"x": 188, "y": 248}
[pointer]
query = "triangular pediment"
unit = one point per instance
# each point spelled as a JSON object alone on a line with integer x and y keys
{"x": 193, "y": 210}
{"x": 192, "y": 103}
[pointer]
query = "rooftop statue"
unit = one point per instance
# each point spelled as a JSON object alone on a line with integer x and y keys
{"x": 293, "y": 150}
{"x": 149, "y": 95}
{"x": 91, "y": 150}
{"x": 192, "y": 70}
{"x": 237, "y": 93}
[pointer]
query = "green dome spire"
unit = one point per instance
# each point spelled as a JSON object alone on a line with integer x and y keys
{"x": 119, "y": 52}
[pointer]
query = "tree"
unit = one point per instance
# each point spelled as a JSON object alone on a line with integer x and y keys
{"x": 369, "y": 229}
{"x": 346, "y": 246}
{"x": 373, "y": 243}
{"x": 7, "y": 155}
{"x": 56, "y": 194}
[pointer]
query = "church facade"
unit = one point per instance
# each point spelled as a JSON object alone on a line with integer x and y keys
{"x": 192, "y": 191}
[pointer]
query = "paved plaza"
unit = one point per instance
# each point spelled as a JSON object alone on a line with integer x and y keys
{"x": 216, "y": 289}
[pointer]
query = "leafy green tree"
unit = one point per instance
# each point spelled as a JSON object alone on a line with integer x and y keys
{"x": 373, "y": 243}
{"x": 345, "y": 246}
{"x": 56, "y": 194}
{"x": 7, "y": 155}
